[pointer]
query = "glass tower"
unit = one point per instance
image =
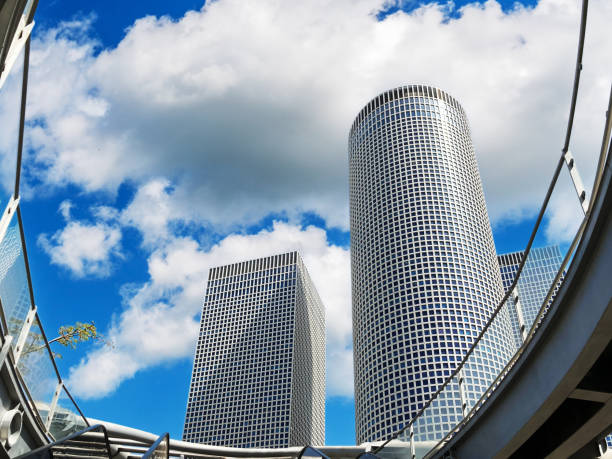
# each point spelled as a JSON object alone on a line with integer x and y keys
{"x": 259, "y": 369}
{"x": 536, "y": 278}
{"x": 425, "y": 277}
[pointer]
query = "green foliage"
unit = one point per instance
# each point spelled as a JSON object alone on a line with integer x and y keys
{"x": 71, "y": 335}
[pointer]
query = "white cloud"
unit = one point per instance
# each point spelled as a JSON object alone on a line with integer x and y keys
{"x": 83, "y": 248}
{"x": 245, "y": 108}
{"x": 64, "y": 208}
{"x": 161, "y": 319}
{"x": 151, "y": 211}
{"x": 240, "y": 110}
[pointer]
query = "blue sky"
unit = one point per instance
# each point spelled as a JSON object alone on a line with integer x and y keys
{"x": 164, "y": 138}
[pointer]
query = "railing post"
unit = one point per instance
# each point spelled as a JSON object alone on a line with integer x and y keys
{"x": 53, "y": 406}
{"x": 578, "y": 185}
{"x": 7, "y": 216}
{"x": 519, "y": 313}
{"x": 21, "y": 36}
{"x": 462, "y": 394}
{"x": 23, "y": 335}
{"x": 8, "y": 339}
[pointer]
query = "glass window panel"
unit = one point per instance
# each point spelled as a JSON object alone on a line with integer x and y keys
{"x": 37, "y": 370}
{"x": 14, "y": 291}
{"x": 66, "y": 419}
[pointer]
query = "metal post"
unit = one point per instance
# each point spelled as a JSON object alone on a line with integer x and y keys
{"x": 578, "y": 185}
{"x": 58, "y": 390}
{"x": 519, "y": 313}
{"x": 22, "y": 114}
{"x": 24, "y": 333}
{"x": 462, "y": 394}
{"x": 7, "y": 216}
{"x": 412, "y": 446}
{"x": 602, "y": 445}
{"x": 8, "y": 339}
{"x": 20, "y": 37}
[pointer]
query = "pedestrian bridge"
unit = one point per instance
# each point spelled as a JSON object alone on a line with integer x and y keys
{"x": 552, "y": 399}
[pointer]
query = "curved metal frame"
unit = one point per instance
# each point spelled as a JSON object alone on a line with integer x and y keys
{"x": 527, "y": 250}
{"x": 19, "y": 9}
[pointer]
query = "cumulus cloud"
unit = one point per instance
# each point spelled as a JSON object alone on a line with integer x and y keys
{"x": 152, "y": 211}
{"x": 161, "y": 319}
{"x": 241, "y": 110}
{"x": 84, "y": 249}
{"x": 245, "y": 108}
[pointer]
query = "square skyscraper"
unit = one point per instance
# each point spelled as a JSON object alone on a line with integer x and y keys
{"x": 259, "y": 369}
{"x": 538, "y": 275}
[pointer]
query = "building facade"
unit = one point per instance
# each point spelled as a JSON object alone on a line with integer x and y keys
{"x": 259, "y": 369}
{"x": 536, "y": 278}
{"x": 425, "y": 277}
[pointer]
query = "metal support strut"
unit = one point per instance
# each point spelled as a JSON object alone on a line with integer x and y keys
{"x": 578, "y": 185}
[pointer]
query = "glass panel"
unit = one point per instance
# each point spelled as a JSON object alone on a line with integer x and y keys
{"x": 14, "y": 291}
{"x": 37, "y": 370}
{"x": 559, "y": 226}
{"x": 66, "y": 418}
{"x": 538, "y": 275}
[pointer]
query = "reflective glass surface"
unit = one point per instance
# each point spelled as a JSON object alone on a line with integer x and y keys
{"x": 14, "y": 291}
{"x": 37, "y": 370}
{"x": 66, "y": 419}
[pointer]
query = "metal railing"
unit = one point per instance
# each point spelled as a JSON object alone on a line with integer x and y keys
{"x": 24, "y": 343}
{"x": 449, "y": 404}
{"x": 25, "y": 348}
{"x": 91, "y": 441}
{"x": 160, "y": 449}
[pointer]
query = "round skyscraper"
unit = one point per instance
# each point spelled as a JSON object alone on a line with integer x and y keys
{"x": 425, "y": 277}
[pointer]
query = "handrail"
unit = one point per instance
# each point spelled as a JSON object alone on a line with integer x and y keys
{"x": 493, "y": 316}
{"x": 15, "y": 356}
{"x": 581, "y": 34}
{"x": 27, "y": 9}
{"x": 76, "y": 406}
{"x": 606, "y": 149}
{"x": 151, "y": 452}
{"x": 527, "y": 250}
{"x": 43, "y": 451}
{"x": 530, "y": 335}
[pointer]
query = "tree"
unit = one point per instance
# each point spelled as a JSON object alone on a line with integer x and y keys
{"x": 68, "y": 336}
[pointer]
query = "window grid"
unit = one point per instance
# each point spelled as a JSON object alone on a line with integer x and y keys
{"x": 259, "y": 368}
{"x": 425, "y": 277}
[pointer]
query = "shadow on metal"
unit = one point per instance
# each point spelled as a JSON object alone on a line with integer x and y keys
{"x": 87, "y": 442}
